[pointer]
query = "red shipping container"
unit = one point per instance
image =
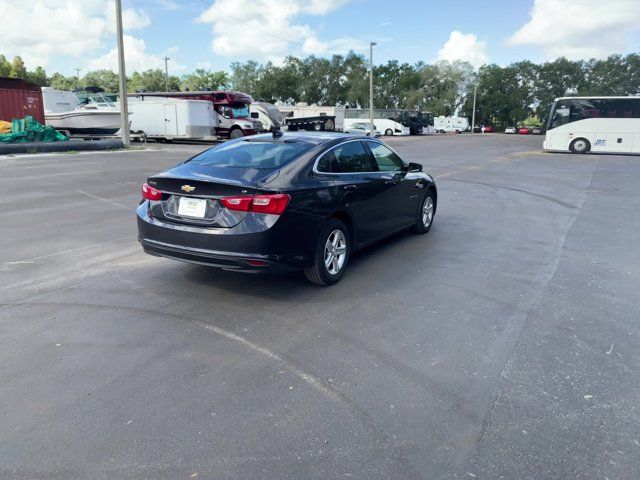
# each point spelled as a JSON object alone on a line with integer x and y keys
{"x": 19, "y": 98}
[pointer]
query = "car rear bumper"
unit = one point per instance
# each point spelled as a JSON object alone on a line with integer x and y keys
{"x": 257, "y": 244}
{"x": 249, "y": 263}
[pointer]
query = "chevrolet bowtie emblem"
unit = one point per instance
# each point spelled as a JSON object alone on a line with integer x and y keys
{"x": 187, "y": 188}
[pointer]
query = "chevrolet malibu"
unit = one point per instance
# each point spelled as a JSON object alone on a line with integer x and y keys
{"x": 281, "y": 202}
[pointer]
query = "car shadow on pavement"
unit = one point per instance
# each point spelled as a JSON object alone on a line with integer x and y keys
{"x": 294, "y": 285}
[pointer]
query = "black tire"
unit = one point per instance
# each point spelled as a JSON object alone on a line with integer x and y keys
{"x": 317, "y": 127}
{"x": 422, "y": 226}
{"x": 388, "y": 132}
{"x": 236, "y": 133}
{"x": 318, "y": 273}
{"x": 580, "y": 145}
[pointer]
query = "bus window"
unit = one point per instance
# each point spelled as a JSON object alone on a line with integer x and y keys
{"x": 560, "y": 115}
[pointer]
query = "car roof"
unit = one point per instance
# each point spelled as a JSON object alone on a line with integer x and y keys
{"x": 315, "y": 138}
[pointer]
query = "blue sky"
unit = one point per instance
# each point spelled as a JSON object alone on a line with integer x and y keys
{"x": 64, "y": 34}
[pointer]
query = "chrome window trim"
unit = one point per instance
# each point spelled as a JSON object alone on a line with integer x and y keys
{"x": 315, "y": 164}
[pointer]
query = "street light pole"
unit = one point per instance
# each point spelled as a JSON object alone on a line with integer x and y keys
{"x": 78, "y": 74}
{"x": 372, "y": 130}
{"x": 166, "y": 74}
{"x": 124, "y": 107}
{"x": 473, "y": 115}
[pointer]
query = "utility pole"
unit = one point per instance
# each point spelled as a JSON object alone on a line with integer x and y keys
{"x": 372, "y": 130}
{"x": 78, "y": 74}
{"x": 124, "y": 107}
{"x": 473, "y": 115}
{"x": 166, "y": 74}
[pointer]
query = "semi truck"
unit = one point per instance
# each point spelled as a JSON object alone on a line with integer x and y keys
{"x": 232, "y": 108}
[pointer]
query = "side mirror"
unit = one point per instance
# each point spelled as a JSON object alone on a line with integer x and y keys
{"x": 415, "y": 167}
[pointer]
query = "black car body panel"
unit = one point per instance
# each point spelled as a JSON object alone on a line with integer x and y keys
{"x": 372, "y": 204}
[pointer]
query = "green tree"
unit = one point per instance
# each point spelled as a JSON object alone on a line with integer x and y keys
{"x": 504, "y": 96}
{"x": 246, "y": 76}
{"x": 5, "y": 66}
{"x": 60, "y": 82}
{"x": 203, "y": 79}
{"x": 18, "y": 69}
{"x": 106, "y": 79}
{"x": 152, "y": 81}
{"x": 38, "y": 76}
{"x": 278, "y": 83}
{"x": 557, "y": 79}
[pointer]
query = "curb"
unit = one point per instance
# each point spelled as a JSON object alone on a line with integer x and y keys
{"x": 71, "y": 145}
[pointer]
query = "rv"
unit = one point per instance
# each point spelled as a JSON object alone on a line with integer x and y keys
{"x": 451, "y": 124}
{"x": 268, "y": 114}
{"x": 173, "y": 118}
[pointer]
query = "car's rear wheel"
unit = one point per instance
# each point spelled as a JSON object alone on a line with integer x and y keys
{"x": 580, "y": 145}
{"x": 388, "y": 132}
{"x": 426, "y": 213}
{"x": 332, "y": 254}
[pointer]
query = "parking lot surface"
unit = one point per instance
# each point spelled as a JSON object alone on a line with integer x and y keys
{"x": 504, "y": 344}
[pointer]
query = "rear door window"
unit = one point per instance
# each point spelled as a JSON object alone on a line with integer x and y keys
{"x": 386, "y": 160}
{"x": 349, "y": 157}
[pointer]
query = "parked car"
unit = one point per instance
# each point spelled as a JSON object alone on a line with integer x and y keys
{"x": 479, "y": 129}
{"x": 284, "y": 201}
{"x": 510, "y": 130}
{"x": 362, "y": 129}
{"x": 524, "y": 131}
{"x": 537, "y": 131}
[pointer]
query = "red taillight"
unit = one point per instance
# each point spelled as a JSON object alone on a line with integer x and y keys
{"x": 150, "y": 193}
{"x": 273, "y": 204}
{"x": 257, "y": 263}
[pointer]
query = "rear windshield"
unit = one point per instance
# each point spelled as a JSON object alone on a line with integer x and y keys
{"x": 251, "y": 154}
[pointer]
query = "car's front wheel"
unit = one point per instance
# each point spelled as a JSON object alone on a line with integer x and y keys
{"x": 332, "y": 254}
{"x": 426, "y": 213}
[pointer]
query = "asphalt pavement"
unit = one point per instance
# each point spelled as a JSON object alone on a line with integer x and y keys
{"x": 503, "y": 344}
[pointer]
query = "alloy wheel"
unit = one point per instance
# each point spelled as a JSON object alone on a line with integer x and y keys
{"x": 335, "y": 251}
{"x": 427, "y": 211}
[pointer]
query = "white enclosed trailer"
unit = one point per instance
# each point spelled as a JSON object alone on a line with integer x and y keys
{"x": 173, "y": 118}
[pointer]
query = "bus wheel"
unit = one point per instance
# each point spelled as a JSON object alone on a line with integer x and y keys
{"x": 236, "y": 133}
{"x": 388, "y": 132}
{"x": 580, "y": 145}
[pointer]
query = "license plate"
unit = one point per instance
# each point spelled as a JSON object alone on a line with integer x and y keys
{"x": 192, "y": 207}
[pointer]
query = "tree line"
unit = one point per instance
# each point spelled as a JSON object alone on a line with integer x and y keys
{"x": 506, "y": 95}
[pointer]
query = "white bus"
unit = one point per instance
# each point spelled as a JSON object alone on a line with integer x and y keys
{"x": 594, "y": 124}
{"x": 387, "y": 121}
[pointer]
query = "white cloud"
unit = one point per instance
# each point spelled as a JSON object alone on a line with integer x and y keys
{"x": 42, "y": 30}
{"x": 465, "y": 47}
{"x": 267, "y": 30}
{"x": 579, "y": 29}
{"x": 137, "y": 58}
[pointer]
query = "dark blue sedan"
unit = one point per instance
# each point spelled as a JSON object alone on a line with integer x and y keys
{"x": 280, "y": 202}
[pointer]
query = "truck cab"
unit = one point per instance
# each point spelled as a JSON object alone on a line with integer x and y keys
{"x": 235, "y": 117}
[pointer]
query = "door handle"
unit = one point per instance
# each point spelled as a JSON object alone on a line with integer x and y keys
{"x": 350, "y": 188}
